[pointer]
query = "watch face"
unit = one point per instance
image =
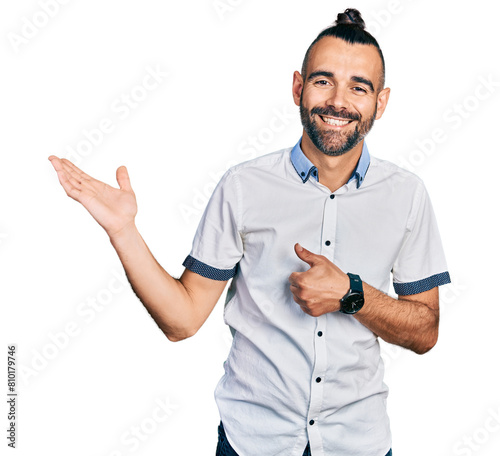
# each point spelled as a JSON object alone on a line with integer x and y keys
{"x": 352, "y": 303}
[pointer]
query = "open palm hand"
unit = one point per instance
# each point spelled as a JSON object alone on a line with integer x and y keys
{"x": 113, "y": 208}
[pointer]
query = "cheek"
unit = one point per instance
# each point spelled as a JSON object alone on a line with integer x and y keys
{"x": 312, "y": 97}
{"x": 366, "y": 108}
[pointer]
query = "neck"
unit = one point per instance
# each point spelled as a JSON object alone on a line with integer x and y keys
{"x": 333, "y": 171}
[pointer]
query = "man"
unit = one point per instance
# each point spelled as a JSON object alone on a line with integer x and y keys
{"x": 310, "y": 236}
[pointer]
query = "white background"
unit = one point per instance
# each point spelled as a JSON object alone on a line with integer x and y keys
{"x": 88, "y": 379}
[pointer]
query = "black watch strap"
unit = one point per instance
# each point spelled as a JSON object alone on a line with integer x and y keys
{"x": 356, "y": 283}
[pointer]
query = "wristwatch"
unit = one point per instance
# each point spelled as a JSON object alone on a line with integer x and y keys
{"x": 353, "y": 300}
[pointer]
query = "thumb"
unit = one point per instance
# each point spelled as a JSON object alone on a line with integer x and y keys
{"x": 123, "y": 179}
{"x": 305, "y": 255}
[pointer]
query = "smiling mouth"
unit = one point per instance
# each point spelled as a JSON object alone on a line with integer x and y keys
{"x": 335, "y": 122}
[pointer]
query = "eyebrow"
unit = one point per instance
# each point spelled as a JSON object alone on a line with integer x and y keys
{"x": 363, "y": 80}
{"x": 329, "y": 74}
{"x": 315, "y": 74}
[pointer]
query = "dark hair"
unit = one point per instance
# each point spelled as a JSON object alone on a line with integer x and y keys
{"x": 349, "y": 27}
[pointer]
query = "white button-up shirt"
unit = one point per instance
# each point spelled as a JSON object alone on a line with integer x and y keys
{"x": 291, "y": 377}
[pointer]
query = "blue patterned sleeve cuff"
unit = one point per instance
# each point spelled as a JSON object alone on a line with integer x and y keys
{"x": 420, "y": 286}
{"x": 208, "y": 271}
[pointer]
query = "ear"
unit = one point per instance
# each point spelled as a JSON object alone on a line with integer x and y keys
{"x": 297, "y": 87}
{"x": 382, "y": 100}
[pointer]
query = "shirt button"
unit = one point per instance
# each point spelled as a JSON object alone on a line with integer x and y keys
{"x": 311, "y": 422}
{"x": 332, "y": 196}
{"x": 318, "y": 379}
{"x": 302, "y": 173}
{"x": 327, "y": 243}
{"x": 320, "y": 333}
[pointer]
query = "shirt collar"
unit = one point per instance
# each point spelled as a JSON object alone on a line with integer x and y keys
{"x": 306, "y": 169}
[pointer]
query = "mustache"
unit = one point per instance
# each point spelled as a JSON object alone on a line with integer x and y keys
{"x": 332, "y": 112}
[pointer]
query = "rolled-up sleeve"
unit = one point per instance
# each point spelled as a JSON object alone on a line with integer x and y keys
{"x": 421, "y": 263}
{"x": 217, "y": 245}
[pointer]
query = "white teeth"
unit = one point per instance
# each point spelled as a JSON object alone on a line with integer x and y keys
{"x": 335, "y": 122}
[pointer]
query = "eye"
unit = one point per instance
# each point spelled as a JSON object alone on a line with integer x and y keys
{"x": 322, "y": 82}
{"x": 360, "y": 89}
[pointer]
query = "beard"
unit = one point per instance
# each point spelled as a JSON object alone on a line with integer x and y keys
{"x": 332, "y": 142}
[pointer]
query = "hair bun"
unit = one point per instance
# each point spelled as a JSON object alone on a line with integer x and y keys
{"x": 350, "y": 16}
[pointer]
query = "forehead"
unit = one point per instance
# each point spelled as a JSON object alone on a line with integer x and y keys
{"x": 344, "y": 59}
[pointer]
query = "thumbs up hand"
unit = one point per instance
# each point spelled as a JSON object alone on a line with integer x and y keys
{"x": 319, "y": 289}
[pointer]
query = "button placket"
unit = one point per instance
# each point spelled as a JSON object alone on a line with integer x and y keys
{"x": 329, "y": 226}
{"x": 319, "y": 368}
{"x": 320, "y": 350}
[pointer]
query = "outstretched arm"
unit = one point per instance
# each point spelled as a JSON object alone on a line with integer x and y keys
{"x": 410, "y": 321}
{"x": 178, "y": 306}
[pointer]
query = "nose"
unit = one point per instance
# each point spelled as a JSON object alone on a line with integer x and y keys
{"x": 338, "y": 98}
